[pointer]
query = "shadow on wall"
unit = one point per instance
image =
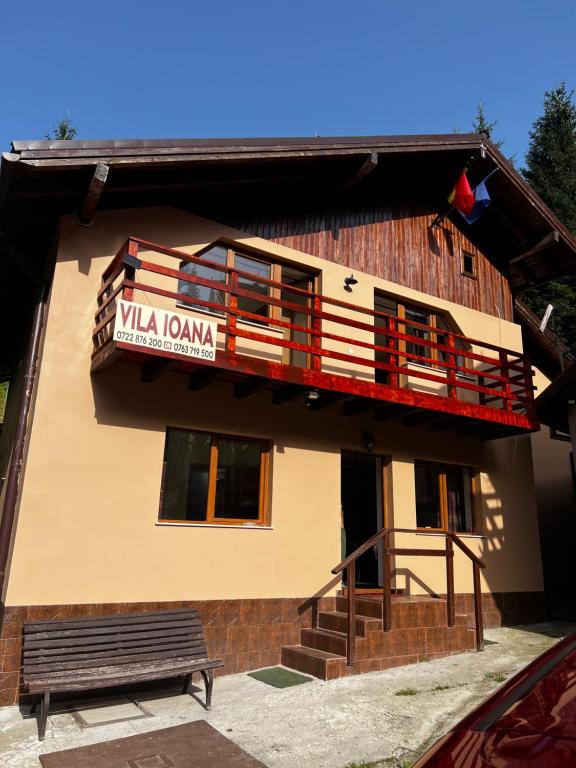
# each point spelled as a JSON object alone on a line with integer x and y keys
{"x": 122, "y": 400}
{"x": 509, "y": 546}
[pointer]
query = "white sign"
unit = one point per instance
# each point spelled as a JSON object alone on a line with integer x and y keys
{"x": 168, "y": 331}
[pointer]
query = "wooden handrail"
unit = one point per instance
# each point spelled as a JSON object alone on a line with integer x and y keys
{"x": 323, "y": 315}
{"x": 383, "y": 531}
{"x": 319, "y": 351}
{"x": 501, "y": 382}
{"x": 467, "y": 551}
{"x": 182, "y": 256}
{"x": 349, "y": 564}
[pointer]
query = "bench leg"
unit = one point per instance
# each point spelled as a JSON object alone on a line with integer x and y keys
{"x": 187, "y": 683}
{"x": 208, "y": 676}
{"x": 35, "y": 701}
{"x": 44, "y": 707}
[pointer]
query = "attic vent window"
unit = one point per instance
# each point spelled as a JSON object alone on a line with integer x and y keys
{"x": 468, "y": 264}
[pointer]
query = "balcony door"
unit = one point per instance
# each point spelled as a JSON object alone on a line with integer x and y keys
{"x": 362, "y": 513}
{"x": 293, "y": 277}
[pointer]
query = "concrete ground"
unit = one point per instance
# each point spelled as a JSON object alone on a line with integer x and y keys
{"x": 386, "y": 717}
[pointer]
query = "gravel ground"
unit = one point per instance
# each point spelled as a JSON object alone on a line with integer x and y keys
{"x": 387, "y": 718}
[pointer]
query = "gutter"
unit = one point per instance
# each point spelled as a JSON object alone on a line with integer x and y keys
{"x": 15, "y": 470}
{"x": 16, "y": 460}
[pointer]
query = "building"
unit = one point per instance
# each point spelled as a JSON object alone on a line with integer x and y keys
{"x": 234, "y": 362}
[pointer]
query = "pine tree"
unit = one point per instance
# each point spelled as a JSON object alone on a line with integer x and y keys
{"x": 551, "y": 172}
{"x": 481, "y": 124}
{"x": 551, "y": 156}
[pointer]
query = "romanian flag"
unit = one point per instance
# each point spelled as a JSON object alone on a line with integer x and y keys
{"x": 462, "y": 196}
{"x": 481, "y": 202}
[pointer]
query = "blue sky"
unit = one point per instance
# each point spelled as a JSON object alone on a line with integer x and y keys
{"x": 182, "y": 68}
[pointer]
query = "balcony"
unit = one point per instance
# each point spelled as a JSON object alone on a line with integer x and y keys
{"x": 155, "y": 310}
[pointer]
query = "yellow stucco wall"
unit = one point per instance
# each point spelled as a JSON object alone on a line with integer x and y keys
{"x": 87, "y": 528}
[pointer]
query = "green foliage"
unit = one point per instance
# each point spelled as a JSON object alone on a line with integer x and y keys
{"x": 3, "y": 396}
{"x": 481, "y": 124}
{"x": 406, "y": 692}
{"x": 497, "y": 677}
{"x": 561, "y": 294}
{"x": 551, "y": 172}
{"x": 63, "y": 130}
{"x": 551, "y": 157}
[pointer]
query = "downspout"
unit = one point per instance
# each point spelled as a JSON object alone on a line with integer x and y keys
{"x": 13, "y": 478}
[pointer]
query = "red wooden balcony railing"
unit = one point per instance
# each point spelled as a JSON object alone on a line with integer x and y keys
{"x": 347, "y": 348}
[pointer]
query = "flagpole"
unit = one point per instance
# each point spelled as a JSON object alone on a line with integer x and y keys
{"x": 441, "y": 216}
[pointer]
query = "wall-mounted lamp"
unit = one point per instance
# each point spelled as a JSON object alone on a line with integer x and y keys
{"x": 349, "y": 282}
{"x": 312, "y": 397}
{"x": 368, "y": 438}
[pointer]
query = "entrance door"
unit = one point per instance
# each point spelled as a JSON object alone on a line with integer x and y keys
{"x": 362, "y": 512}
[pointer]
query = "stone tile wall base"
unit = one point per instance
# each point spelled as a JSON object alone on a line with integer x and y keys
{"x": 246, "y": 634}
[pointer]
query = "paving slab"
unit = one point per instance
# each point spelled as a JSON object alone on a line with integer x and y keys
{"x": 388, "y": 717}
{"x": 108, "y": 713}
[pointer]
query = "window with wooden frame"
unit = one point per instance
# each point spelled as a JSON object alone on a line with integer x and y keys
{"x": 447, "y": 497}
{"x": 212, "y": 478}
{"x": 415, "y": 353}
{"x": 258, "y": 266}
{"x": 468, "y": 264}
{"x": 225, "y": 256}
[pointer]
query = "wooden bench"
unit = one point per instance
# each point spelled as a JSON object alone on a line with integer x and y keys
{"x": 104, "y": 651}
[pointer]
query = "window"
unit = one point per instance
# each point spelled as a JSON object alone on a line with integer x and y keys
{"x": 257, "y": 269}
{"x": 411, "y": 352}
{"x": 468, "y": 264}
{"x": 423, "y": 317}
{"x": 221, "y": 254}
{"x": 217, "y": 254}
{"x": 214, "y": 478}
{"x": 557, "y": 434}
{"x": 445, "y": 498}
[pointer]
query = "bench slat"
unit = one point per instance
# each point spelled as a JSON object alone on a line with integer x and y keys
{"x": 193, "y": 624}
{"x": 80, "y": 642}
{"x": 106, "y": 644}
{"x": 43, "y": 625}
{"x": 98, "y": 660}
{"x": 108, "y": 677}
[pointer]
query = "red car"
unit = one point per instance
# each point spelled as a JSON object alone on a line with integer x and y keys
{"x": 529, "y": 721}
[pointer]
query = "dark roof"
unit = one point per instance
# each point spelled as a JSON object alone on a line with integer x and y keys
{"x": 42, "y": 180}
{"x": 548, "y": 352}
{"x": 521, "y": 232}
{"x": 552, "y": 404}
{"x": 264, "y": 144}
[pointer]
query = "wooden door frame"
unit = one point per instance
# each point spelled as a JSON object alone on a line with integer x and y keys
{"x": 385, "y": 501}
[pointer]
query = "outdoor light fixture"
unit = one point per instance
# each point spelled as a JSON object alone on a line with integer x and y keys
{"x": 312, "y": 396}
{"x": 349, "y": 282}
{"x": 368, "y": 438}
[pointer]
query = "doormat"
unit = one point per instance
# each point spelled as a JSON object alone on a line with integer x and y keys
{"x": 193, "y": 745}
{"x": 278, "y": 677}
